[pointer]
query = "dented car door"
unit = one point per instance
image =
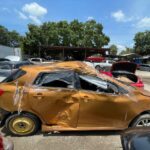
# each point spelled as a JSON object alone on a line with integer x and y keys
{"x": 103, "y": 109}
{"x": 55, "y": 99}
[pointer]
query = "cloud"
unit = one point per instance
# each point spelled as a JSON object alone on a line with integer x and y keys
{"x": 22, "y": 16}
{"x": 139, "y": 22}
{"x": 34, "y": 9}
{"x": 119, "y": 16}
{"x": 90, "y": 18}
{"x": 143, "y": 23}
{"x": 33, "y": 12}
{"x": 35, "y": 19}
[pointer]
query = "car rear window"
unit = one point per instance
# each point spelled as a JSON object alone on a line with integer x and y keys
{"x": 15, "y": 75}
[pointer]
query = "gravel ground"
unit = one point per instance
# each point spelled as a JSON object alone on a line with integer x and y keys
{"x": 103, "y": 140}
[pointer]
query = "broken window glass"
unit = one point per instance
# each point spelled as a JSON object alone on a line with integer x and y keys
{"x": 96, "y": 84}
{"x": 56, "y": 79}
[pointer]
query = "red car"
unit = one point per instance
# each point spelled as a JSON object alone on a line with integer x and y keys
{"x": 95, "y": 58}
{"x": 5, "y": 144}
{"x": 125, "y": 72}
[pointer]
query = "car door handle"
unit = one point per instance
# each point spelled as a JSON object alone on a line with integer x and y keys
{"x": 86, "y": 99}
{"x": 38, "y": 95}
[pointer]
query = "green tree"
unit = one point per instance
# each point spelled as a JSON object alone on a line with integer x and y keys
{"x": 142, "y": 42}
{"x": 3, "y": 36}
{"x": 93, "y": 35}
{"x": 113, "y": 49}
{"x": 126, "y": 51}
{"x": 9, "y": 38}
{"x": 77, "y": 34}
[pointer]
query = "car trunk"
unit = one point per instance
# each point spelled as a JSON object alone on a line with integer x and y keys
{"x": 125, "y": 72}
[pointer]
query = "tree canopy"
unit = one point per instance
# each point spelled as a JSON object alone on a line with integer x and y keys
{"x": 73, "y": 34}
{"x": 9, "y": 38}
{"x": 113, "y": 49}
{"x": 142, "y": 43}
{"x": 126, "y": 51}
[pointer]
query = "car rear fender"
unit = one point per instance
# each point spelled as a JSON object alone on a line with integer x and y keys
{"x": 142, "y": 113}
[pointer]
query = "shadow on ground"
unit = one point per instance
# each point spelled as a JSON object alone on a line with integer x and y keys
{"x": 70, "y": 133}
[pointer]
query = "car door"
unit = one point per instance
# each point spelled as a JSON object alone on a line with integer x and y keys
{"x": 54, "y": 98}
{"x": 101, "y": 107}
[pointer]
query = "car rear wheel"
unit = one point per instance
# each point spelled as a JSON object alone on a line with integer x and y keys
{"x": 22, "y": 124}
{"x": 142, "y": 121}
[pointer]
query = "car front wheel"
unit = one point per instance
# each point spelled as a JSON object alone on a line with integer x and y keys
{"x": 22, "y": 124}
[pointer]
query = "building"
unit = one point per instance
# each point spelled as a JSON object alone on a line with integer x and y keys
{"x": 7, "y": 51}
{"x": 77, "y": 53}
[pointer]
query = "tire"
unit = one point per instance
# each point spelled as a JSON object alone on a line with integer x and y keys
{"x": 141, "y": 121}
{"x": 98, "y": 68}
{"x": 22, "y": 124}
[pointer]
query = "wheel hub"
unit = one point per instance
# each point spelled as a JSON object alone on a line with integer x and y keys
{"x": 22, "y": 125}
{"x": 144, "y": 123}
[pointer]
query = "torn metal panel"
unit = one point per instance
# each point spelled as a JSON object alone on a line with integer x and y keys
{"x": 56, "y": 107}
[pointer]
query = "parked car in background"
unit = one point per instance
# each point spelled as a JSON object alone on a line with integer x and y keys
{"x": 8, "y": 67}
{"x": 124, "y": 72}
{"x": 4, "y": 59}
{"x": 69, "y": 96}
{"x": 100, "y": 65}
{"x": 136, "y": 139}
{"x": 144, "y": 67}
{"x": 38, "y": 60}
{"x": 13, "y": 58}
{"x": 95, "y": 58}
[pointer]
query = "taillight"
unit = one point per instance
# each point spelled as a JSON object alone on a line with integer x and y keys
{"x": 1, "y": 92}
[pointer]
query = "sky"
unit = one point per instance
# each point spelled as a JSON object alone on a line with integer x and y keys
{"x": 121, "y": 19}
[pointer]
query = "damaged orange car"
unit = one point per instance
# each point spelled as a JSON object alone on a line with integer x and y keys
{"x": 68, "y": 96}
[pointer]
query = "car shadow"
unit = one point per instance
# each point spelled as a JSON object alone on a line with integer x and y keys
{"x": 70, "y": 133}
{"x": 83, "y": 133}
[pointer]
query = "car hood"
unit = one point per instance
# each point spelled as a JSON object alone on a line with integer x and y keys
{"x": 124, "y": 66}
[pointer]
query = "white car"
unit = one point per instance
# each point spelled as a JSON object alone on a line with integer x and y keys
{"x": 100, "y": 65}
{"x": 38, "y": 61}
{"x": 13, "y": 58}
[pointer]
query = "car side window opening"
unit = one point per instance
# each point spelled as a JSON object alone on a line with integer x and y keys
{"x": 62, "y": 79}
{"x": 96, "y": 84}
